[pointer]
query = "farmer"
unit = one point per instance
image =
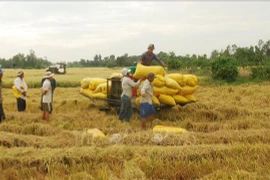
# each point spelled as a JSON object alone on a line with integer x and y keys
{"x": 147, "y": 110}
{"x": 47, "y": 95}
{"x": 19, "y": 90}
{"x": 2, "y": 114}
{"x": 53, "y": 84}
{"x": 127, "y": 85}
{"x": 147, "y": 57}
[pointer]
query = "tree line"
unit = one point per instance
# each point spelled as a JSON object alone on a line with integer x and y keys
{"x": 30, "y": 61}
{"x": 244, "y": 56}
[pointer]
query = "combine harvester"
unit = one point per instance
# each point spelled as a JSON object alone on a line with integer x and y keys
{"x": 169, "y": 89}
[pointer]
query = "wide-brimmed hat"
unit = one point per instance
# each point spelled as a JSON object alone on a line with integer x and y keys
{"x": 48, "y": 74}
{"x": 19, "y": 73}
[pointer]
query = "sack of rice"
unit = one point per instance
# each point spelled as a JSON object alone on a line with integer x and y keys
{"x": 166, "y": 99}
{"x": 95, "y": 82}
{"x": 103, "y": 88}
{"x": 190, "y": 97}
{"x": 86, "y": 92}
{"x": 171, "y": 83}
{"x": 155, "y": 100}
{"x": 116, "y": 75}
{"x": 99, "y": 95}
{"x": 96, "y": 133}
{"x": 188, "y": 90}
{"x": 142, "y": 71}
{"x": 138, "y": 101}
{"x": 177, "y": 77}
{"x": 179, "y": 99}
{"x": 169, "y": 129}
{"x": 159, "y": 81}
{"x": 190, "y": 80}
{"x": 165, "y": 90}
{"x": 85, "y": 82}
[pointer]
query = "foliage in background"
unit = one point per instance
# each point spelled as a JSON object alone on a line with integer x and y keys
{"x": 261, "y": 72}
{"x": 257, "y": 55}
{"x": 30, "y": 61}
{"x": 225, "y": 68}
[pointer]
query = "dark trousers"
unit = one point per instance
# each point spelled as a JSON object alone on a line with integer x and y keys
{"x": 126, "y": 109}
{"x": 2, "y": 114}
{"x": 21, "y": 104}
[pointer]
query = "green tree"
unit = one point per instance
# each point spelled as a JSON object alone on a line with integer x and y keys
{"x": 225, "y": 68}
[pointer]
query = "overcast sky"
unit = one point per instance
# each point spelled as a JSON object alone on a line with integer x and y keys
{"x": 69, "y": 31}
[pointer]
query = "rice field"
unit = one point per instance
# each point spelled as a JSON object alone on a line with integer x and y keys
{"x": 228, "y": 135}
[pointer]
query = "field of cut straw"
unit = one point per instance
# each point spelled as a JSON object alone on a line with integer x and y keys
{"x": 228, "y": 135}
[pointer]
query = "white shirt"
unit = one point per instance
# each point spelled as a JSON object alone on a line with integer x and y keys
{"x": 21, "y": 85}
{"x": 47, "y": 98}
{"x": 127, "y": 85}
{"x": 147, "y": 90}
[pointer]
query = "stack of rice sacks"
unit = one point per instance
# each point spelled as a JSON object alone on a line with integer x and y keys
{"x": 96, "y": 88}
{"x": 170, "y": 89}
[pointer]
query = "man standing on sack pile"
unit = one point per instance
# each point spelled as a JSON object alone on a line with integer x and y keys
{"x": 147, "y": 57}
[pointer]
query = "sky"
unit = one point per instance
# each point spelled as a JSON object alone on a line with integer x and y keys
{"x": 67, "y": 31}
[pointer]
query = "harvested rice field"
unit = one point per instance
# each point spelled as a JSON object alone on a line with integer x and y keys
{"x": 228, "y": 135}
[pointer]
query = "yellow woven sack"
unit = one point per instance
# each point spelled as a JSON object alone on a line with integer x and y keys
{"x": 190, "y": 80}
{"x": 116, "y": 75}
{"x": 190, "y": 97}
{"x": 95, "y": 82}
{"x": 99, "y": 95}
{"x": 85, "y": 82}
{"x": 103, "y": 88}
{"x": 165, "y": 90}
{"x": 169, "y": 129}
{"x": 177, "y": 77}
{"x": 166, "y": 99}
{"x": 142, "y": 71}
{"x": 96, "y": 133}
{"x": 188, "y": 90}
{"x": 179, "y": 99}
{"x": 155, "y": 100}
{"x": 159, "y": 81}
{"x": 171, "y": 83}
{"x": 138, "y": 92}
{"x": 86, "y": 92}
{"x": 138, "y": 101}
{"x": 16, "y": 93}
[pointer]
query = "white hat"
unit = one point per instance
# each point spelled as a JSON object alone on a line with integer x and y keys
{"x": 19, "y": 73}
{"x": 125, "y": 71}
{"x": 48, "y": 74}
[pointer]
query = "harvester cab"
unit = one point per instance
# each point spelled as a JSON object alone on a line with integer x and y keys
{"x": 59, "y": 68}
